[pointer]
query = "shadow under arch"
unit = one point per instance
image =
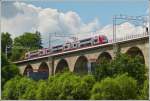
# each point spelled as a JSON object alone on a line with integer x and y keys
{"x": 81, "y": 65}
{"x": 43, "y": 71}
{"x": 104, "y": 56}
{"x": 62, "y": 66}
{"x": 135, "y": 51}
{"x": 28, "y": 70}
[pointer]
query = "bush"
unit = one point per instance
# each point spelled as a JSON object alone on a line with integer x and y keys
{"x": 120, "y": 88}
{"x": 69, "y": 86}
{"x": 61, "y": 87}
{"x": 8, "y": 70}
{"x": 30, "y": 93}
{"x": 90, "y": 80}
{"x": 10, "y": 91}
{"x": 22, "y": 85}
{"x": 41, "y": 90}
{"x": 83, "y": 88}
{"x": 145, "y": 91}
{"x": 19, "y": 88}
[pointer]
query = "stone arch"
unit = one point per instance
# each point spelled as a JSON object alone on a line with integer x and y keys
{"x": 61, "y": 66}
{"x": 43, "y": 71}
{"x": 81, "y": 65}
{"x": 104, "y": 55}
{"x": 135, "y": 51}
{"x": 28, "y": 69}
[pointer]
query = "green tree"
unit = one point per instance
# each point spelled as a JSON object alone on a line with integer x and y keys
{"x": 18, "y": 54}
{"x": 29, "y": 40}
{"x": 8, "y": 70}
{"x": 103, "y": 69}
{"x": 120, "y": 88}
{"x": 26, "y": 42}
{"x": 132, "y": 65}
{"x": 120, "y": 65}
{"x": 6, "y": 42}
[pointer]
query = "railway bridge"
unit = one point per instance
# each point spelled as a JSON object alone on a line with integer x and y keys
{"x": 81, "y": 60}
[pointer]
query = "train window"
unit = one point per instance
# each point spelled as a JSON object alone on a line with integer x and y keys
{"x": 57, "y": 46}
{"x": 84, "y": 40}
{"x": 48, "y": 50}
{"x": 95, "y": 40}
{"x": 34, "y": 55}
{"x": 41, "y": 52}
{"x": 66, "y": 46}
{"x": 105, "y": 38}
{"x": 147, "y": 29}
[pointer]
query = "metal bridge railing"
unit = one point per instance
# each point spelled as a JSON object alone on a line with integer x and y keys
{"x": 130, "y": 37}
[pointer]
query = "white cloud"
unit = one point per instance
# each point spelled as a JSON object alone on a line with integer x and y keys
{"x": 122, "y": 30}
{"x": 24, "y": 20}
{"x": 27, "y": 18}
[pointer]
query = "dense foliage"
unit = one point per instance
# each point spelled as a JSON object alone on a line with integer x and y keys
{"x": 120, "y": 88}
{"x": 6, "y": 42}
{"x": 26, "y": 42}
{"x": 122, "y": 78}
{"x": 145, "y": 91}
{"x": 8, "y": 70}
{"x": 120, "y": 65}
{"x": 65, "y": 86}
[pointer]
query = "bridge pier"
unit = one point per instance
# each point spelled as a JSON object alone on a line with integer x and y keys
{"x": 51, "y": 66}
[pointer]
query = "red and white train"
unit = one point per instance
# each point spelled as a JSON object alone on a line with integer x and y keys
{"x": 68, "y": 46}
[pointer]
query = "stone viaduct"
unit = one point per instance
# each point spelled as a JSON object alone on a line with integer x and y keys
{"x": 81, "y": 60}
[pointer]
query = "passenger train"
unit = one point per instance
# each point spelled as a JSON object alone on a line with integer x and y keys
{"x": 101, "y": 39}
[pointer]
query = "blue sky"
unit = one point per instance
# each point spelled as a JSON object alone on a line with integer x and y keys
{"x": 104, "y": 10}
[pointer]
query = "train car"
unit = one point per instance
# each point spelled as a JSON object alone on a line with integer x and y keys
{"x": 75, "y": 45}
{"x": 103, "y": 39}
{"x": 96, "y": 40}
{"x": 34, "y": 53}
{"x": 100, "y": 40}
{"x": 42, "y": 52}
{"x": 67, "y": 46}
{"x": 86, "y": 42}
{"x": 57, "y": 48}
